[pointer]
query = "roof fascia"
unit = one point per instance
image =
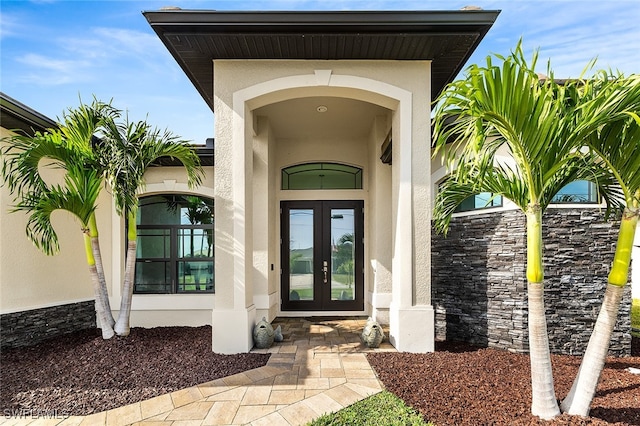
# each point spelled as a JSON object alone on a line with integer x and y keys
{"x": 382, "y": 21}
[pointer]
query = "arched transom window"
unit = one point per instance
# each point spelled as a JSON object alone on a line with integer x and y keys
{"x": 322, "y": 176}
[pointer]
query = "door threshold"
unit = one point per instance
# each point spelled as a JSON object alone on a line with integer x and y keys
{"x": 293, "y": 314}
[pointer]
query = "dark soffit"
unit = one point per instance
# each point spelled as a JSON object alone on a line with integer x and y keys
{"x": 197, "y": 37}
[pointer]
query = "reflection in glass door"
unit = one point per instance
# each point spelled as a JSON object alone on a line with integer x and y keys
{"x": 322, "y": 255}
{"x": 301, "y": 256}
{"x": 343, "y": 254}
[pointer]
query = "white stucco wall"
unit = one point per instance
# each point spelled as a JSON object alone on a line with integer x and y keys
{"x": 264, "y": 253}
{"x": 379, "y": 283}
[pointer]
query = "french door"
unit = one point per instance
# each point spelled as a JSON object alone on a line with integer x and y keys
{"x": 322, "y": 254}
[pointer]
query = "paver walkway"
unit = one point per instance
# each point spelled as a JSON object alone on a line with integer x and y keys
{"x": 320, "y": 367}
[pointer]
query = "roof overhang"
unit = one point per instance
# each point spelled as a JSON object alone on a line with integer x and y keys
{"x": 17, "y": 116}
{"x": 196, "y": 38}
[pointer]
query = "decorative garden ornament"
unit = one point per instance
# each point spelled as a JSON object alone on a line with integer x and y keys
{"x": 372, "y": 335}
{"x": 263, "y": 334}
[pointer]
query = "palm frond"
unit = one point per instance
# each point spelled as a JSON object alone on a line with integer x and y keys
{"x": 451, "y": 194}
{"x": 82, "y": 124}
{"x": 506, "y": 105}
{"x": 23, "y": 156}
{"x": 130, "y": 148}
{"x": 77, "y": 196}
{"x": 39, "y": 227}
{"x": 610, "y": 125}
{"x": 545, "y": 127}
{"x": 474, "y": 178}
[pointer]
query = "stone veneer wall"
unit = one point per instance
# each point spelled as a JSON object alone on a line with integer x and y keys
{"x": 479, "y": 282}
{"x": 30, "y": 327}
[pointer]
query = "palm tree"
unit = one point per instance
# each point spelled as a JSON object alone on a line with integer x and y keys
{"x": 126, "y": 152}
{"x": 617, "y": 147}
{"x": 68, "y": 148}
{"x": 508, "y": 106}
{"x": 198, "y": 212}
{"x": 344, "y": 257}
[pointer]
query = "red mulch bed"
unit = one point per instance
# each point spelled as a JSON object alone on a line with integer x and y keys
{"x": 80, "y": 373}
{"x": 463, "y": 385}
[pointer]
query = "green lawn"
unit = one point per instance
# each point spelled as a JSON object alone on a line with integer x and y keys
{"x": 383, "y": 408}
{"x": 342, "y": 278}
{"x": 635, "y": 315}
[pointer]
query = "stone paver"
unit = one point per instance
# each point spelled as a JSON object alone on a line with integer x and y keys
{"x": 320, "y": 367}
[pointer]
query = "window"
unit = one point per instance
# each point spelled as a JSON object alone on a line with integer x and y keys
{"x": 580, "y": 191}
{"x": 175, "y": 245}
{"x": 480, "y": 201}
{"x": 322, "y": 176}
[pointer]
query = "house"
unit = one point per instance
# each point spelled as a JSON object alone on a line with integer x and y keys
{"x": 305, "y": 102}
{"x": 318, "y": 201}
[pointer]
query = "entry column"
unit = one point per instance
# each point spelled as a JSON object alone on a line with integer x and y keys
{"x": 411, "y": 316}
{"x": 234, "y": 313}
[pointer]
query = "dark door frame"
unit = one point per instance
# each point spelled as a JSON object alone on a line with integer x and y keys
{"x": 322, "y": 252}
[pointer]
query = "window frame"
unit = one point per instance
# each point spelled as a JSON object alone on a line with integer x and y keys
{"x": 174, "y": 259}
{"x": 592, "y": 190}
{"x": 485, "y": 207}
{"x": 286, "y": 174}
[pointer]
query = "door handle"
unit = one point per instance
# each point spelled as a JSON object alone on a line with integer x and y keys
{"x": 325, "y": 269}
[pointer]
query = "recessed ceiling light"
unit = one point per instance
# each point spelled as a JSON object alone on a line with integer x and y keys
{"x": 322, "y": 108}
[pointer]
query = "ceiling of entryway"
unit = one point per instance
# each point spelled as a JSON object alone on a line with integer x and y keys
{"x": 298, "y": 118}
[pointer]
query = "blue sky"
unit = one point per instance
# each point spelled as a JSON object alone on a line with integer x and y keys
{"x": 54, "y": 53}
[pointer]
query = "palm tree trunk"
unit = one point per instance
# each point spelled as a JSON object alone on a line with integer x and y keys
{"x": 544, "y": 403}
{"x": 122, "y": 325}
{"x": 102, "y": 290}
{"x": 107, "y": 329}
{"x": 578, "y": 401}
{"x": 584, "y": 386}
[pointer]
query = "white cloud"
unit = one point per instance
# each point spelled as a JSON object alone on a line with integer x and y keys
{"x": 48, "y": 71}
{"x": 10, "y": 25}
{"x": 570, "y": 33}
{"x": 97, "y": 55}
{"x": 114, "y": 42}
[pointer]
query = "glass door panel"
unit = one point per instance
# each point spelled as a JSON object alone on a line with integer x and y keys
{"x": 301, "y": 255}
{"x": 343, "y": 256}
